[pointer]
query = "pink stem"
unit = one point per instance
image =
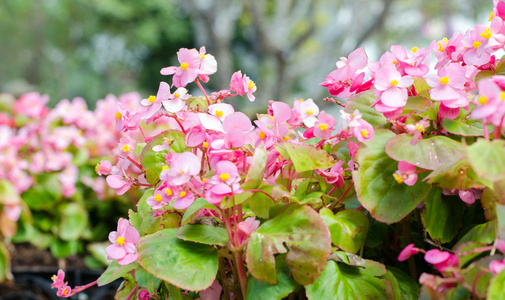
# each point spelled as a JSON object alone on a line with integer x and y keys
{"x": 135, "y": 163}
{"x": 179, "y": 122}
{"x": 203, "y": 90}
{"x": 342, "y": 197}
{"x": 263, "y": 192}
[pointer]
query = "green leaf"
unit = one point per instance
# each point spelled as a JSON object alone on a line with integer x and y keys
{"x": 376, "y": 187}
{"x": 488, "y": 158}
{"x": 115, "y": 271}
{"x": 478, "y": 275}
{"x": 443, "y": 216}
{"x": 97, "y": 250}
{"x": 340, "y": 281}
{"x": 145, "y": 279}
{"x": 420, "y": 85}
{"x": 62, "y": 249}
{"x": 254, "y": 175}
{"x": 204, "y": 234}
{"x": 153, "y": 161}
{"x": 258, "y": 290}
{"x": 482, "y": 233}
{"x": 187, "y": 265}
{"x": 305, "y": 157}
{"x": 8, "y": 194}
{"x": 260, "y": 203}
{"x": 465, "y": 247}
{"x": 150, "y": 224}
{"x": 497, "y": 287}
{"x": 74, "y": 220}
{"x": 194, "y": 208}
{"x": 416, "y": 104}
{"x": 500, "y": 221}
{"x": 458, "y": 175}
{"x": 302, "y": 230}
{"x": 408, "y": 287}
{"x": 467, "y": 128}
{"x": 430, "y": 153}
{"x": 348, "y": 228}
{"x": 363, "y": 102}
{"x": 44, "y": 194}
{"x": 5, "y": 264}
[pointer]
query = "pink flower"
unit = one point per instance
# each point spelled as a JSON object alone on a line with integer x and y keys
{"x": 192, "y": 64}
{"x": 392, "y": 86}
{"x": 246, "y": 228}
{"x": 12, "y": 211}
{"x": 490, "y": 106}
{"x": 125, "y": 147}
{"x": 184, "y": 165}
{"x": 124, "y": 243}
{"x": 448, "y": 50}
{"x": 154, "y": 102}
{"x": 334, "y": 175}
{"x": 496, "y": 266}
{"x": 417, "y": 130}
{"x": 324, "y": 126}
{"x": 118, "y": 184}
{"x": 242, "y": 85}
{"x": 406, "y": 173}
{"x": 224, "y": 183}
{"x": 58, "y": 279}
{"x": 407, "y": 252}
{"x": 126, "y": 118}
{"x": 32, "y": 105}
{"x": 351, "y": 119}
{"x": 414, "y": 62}
{"x": 176, "y": 101}
{"x": 441, "y": 260}
{"x": 364, "y": 132}
{"x": 308, "y": 111}
{"x": 213, "y": 292}
{"x": 448, "y": 83}
{"x": 103, "y": 168}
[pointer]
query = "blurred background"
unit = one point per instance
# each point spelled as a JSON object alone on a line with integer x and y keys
{"x": 91, "y": 48}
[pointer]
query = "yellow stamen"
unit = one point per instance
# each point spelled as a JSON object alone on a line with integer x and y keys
{"x": 184, "y": 66}
{"x": 476, "y": 44}
{"x": 482, "y": 100}
{"x": 151, "y": 99}
{"x": 398, "y": 178}
{"x": 251, "y": 85}
{"x": 118, "y": 115}
{"x": 164, "y": 168}
{"x": 323, "y": 126}
{"x": 419, "y": 127}
{"x": 182, "y": 194}
{"x": 204, "y": 179}
{"x": 286, "y": 138}
{"x": 487, "y": 33}
{"x": 181, "y": 172}
{"x": 176, "y": 95}
{"x": 302, "y": 100}
{"x": 219, "y": 113}
{"x": 158, "y": 198}
{"x": 364, "y": 133}
{"x": 97, "y": 167}
{"x": 414, "y": 49}
{"x": 65, "y": 292}
{"x": 491, "y": 16}
{"x": 394, "y": 82}
{"x": 262, "y": 135}
{"x": 309, "y": 111}
{"x": 169, "y": 192}
{"x": 126, "y": 148}
{"x": 202, "y": 55}
{"x": 53, "y": 278}
{"x": 120, "y": 241}
{"x": 224, "y": 176}
{"x": 444, "y": 80}
{"x": 395, "y": 63}
{"x": 502, "y": 96}
{"x": 205, "y": 144}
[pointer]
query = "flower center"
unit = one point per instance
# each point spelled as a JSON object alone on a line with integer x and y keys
{"x": 169, "y": 192}
{"x": 394, "y": 82}
{"x": 444, "y": 80}
{"x": 262, "y": 135}
{"x": 251, "y": 85}
{"x": 491, "y": 16}
{"x": 182, "y": 194}
{"x": 120, "y": 241}
{"x": 126, "y": 148}
{"x": 414, "y": 49}
{"x": 482, "y": 100}
{"x": 219, "y": 113}
{"x": 224, "y": 176}
{"x": 205, "y": 144}
{"x": 118, "y": 115}
{"x": 309, "y": 111}
{"x": 158, "y": 198}
{"x": 151, "y": 99}
{"x": 323, "y": 126}
{"x": 419, "y": 127}
{"x": 398, "y": 178}
{"x": 487, "y": 33}
{"x": 476, "y": 44}
{"x": 202, "y": 56}
{"x": 364, "y": 133}
{"x": 176, "y": 95}
{"x": 97, "y": 168}
{"x": 286, "y": 138}
{"x": 184, "y": 66}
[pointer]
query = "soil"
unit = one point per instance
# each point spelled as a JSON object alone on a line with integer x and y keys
{"x": 33, "y": 268}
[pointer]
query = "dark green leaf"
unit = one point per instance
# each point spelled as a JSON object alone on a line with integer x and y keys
{"x": 348, "y": 229}
{"x": 443, "y": 216}
{"x": 74, "y": 220}
{"x": 204, "y": 234}
{"x": 488, "y": 159}
{"x": 115, "y": 271}
{"x": 408, "y": 287}
{"x": 467, "y": 128}
{"x": 482, "y": 233}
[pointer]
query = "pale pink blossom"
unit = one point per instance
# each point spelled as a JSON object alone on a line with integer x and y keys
{"x": 309, "y": 112}
{"x": 124, "y": 243}
{"x": 242, "y": 84}
{"x": 406, "y": 173}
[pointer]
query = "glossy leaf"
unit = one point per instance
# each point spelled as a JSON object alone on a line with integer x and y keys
{"x": 429, "y": 153}
{"x": 348, "y": 228}
{"x": 194, "y": 208}
{"x": 254, "y": 175}
{"x": 482, "y": 233}
{"x": 260, "y": 203}
{"x": 443, "y": 216}
{"x": 464, "y": 129}
{"x": 340, "y": 281}
{"x": 299, "y": 228}
{"x": 153, "y": 161}
{"x": 305, "y": 157}
{"x": 488, "y": 158}
{"x": 376, "y": 187}
{"x": 416, "y": 104}
{"x": 115, "y": 271}
{"x": 204, "y": 234}
{"x": 265, "y": 291}
{"x": 408, "y": 287}
{"x": 458, "y": 175}
{"x": 187, "y": 265}
{"x": 500, "y": 221}
{"x": 363, "y": 102}
{"x": 497, "y": 287}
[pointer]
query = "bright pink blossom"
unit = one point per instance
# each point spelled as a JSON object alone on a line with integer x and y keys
{"x": 441, "y": 260}
{"x": 117, "y": 182}
{"x": 406, "y": 173}
{"x": 407, "y": 252}
{"x": 124, "y": 243}
{"x": 392, "y": 86}
{"x": 364, "y": 132}
{"x": 324, "y": 126}
{"x": 154, "y": 102}
{"x": 224, "y": 183}
{"x": 192, "y": 64}
{"x": 246, "y": 228}
{"x": 242, "y": 85}
{"x": 184, "y": 165}
{"x": 103, "y": 168}
{"x": 497, "y": 266}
